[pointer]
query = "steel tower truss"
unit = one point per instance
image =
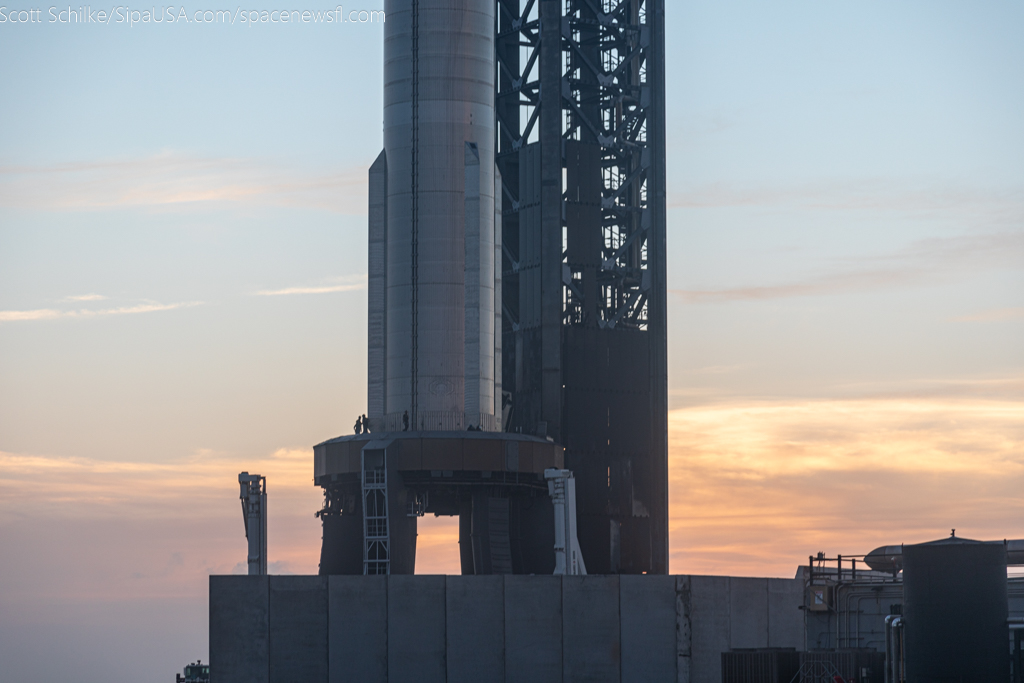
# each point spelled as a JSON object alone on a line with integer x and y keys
{"x": 605, "y": 99}
{"x": 581, "y": 149}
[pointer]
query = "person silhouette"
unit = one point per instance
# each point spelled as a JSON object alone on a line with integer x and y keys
{"x": 405, "y": 421}
{"x": 359, "y": 425}
{"x": 366, "y": 424}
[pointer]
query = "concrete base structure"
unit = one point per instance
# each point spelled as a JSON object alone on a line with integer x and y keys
{"x": 493, "y": 481}
{"x": 618, "y": 629}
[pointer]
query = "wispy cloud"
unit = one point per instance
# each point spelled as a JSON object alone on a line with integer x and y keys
{"x": 37, "y": 314}
{"x": 100, "y": 488}
{"x": 347, "y": 283}
{"x": 936, "y": 259}
{"x": 994, "y": 315}
{"x": 310, "y": 290}
{"x": 716, "y": 370}
{"x": 173, "y": 179}
{"x": 53, "y": 314}
{"x": 996, "y": 388}
{"x": 1003, "y": 206}
{"x": 85, "y": 297}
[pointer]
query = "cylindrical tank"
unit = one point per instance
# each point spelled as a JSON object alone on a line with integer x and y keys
{"x": 439, "y": 76}
{"x": 887, "y": 558}
{"x": 955, "y": 611}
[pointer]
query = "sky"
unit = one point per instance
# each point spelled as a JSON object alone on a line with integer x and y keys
{"x": 182, "y": 297}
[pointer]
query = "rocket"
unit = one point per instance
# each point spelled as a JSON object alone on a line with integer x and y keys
{"x": 434, "y": 285}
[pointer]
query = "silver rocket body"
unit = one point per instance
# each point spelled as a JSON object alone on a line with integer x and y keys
{"x": 435, "y": 224}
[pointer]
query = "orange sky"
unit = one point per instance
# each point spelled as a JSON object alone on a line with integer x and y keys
{"x": 755, "y": 487}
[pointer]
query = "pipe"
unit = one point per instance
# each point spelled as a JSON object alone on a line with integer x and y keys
{"x": 848, "y": 637}
{"x": 892, "y": 623}
{"x": 857, "y": 613}
{"x": 878, "y": 598}
{"x": 897, "y": 650}
{"x": 888, "y": 649}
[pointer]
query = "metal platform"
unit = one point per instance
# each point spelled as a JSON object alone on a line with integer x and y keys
{"x": 493, "y": 481}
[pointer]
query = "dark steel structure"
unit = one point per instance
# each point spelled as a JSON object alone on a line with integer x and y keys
{"x": 581, "y": 151}
{"x": 955, "y": 612}
{"x": 494, "y": 482}
{"x": 768, "y": 665}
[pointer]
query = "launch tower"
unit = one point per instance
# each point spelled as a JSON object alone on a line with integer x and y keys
{"x": 516, "y": 290}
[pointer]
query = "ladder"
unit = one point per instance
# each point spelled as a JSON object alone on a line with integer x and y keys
{"x": 376, "y": 542}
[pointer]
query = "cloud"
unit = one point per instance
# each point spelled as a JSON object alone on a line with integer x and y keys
{"x": 992, "y": 316}
{"x": 85, "y": 297}
{"x": 999, "y": 388}
{"x": 995, "y": 206}
{"x": 343, "y": 283}
{"x": 437, "y": 545}
{"x": 311, "y": 290}
{"x": 935, "y": 259}
{"x": 80, "y": 529}
{"x": 53, "y": 314}
{"x": 195, "y": 491}
{"x": 174, "y": 179}
{"x": 55, "y": 487}
{"x": 714, "y": 370}
{"x": 756, "y": 487}
{"x": 38, "y": 314}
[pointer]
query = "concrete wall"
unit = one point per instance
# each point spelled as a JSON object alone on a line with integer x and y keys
{"x": 727, "y": 613}
{"x": 240, "y": 628}
{"x": 541, "y": 629}
{"x": 533, "y": 629}
{"x": 298, "y": 629}
{"x": 357, "y": 610}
